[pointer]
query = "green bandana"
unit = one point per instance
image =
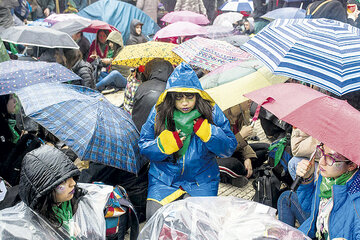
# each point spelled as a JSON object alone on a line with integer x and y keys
{"x": 185, "y": 122}
{"x": 64, "y": 214}
{"x": 12, "y": 124}
{"x": 327, "y": 183}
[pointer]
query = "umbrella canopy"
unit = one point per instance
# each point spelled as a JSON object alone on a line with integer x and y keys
{"x": 89, "y": 124}
{"x": 187, "y": 16}
{"x": 96, "y": 25}
{"x": 140, "y": 54}
{"x": 216, "y": 31}
{"x": 18, "y": 74}
{"x": 227, "y": 19}
{"x": 237, "y": 6}
{"x": 230, "y": 72}
{"x": 322, "y": 52}
{"x": 230, "y": 94}
{"x": 178, "y": 29}
{"x": 236, "y": 40}
{"x": 72, "y": 26}
{"x": 331, "y": 121}
{"x": 285, "y": 13}
{"x": 38, "y": 36}
{"x": 55, "y": 18}
{"x": 209, "y": 54}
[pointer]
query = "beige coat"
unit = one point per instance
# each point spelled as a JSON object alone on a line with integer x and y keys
{"x": 236, "y": 116}
{"x": 150, "y": 7}
{"x": 302, "y": 145}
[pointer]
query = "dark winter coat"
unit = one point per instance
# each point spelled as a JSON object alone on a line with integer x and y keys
{"x": 44, "y": 169}
{"x": 85, "y": 71}
{"x": 332, "y": 10}
{"x": 84, "y": 46}
{"x": 134, "y": 37}
{"x": 260, "y": 8}
{"x": 148, "y": 92}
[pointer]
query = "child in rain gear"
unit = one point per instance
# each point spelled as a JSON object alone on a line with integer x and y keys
{"x": 53, "y": 206}
{"x": 183, "y": 134}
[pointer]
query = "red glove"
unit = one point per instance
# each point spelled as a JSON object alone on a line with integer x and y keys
{"x": 202, "y": 129}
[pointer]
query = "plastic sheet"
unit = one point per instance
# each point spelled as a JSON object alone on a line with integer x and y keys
{"x": 212, "y": 218}
{"x": 21, "y": 222}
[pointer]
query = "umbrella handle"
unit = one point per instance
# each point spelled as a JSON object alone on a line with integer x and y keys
{"x": 257, "y": 112}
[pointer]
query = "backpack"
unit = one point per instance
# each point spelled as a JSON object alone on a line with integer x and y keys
{"x": 120, "y": 213}
{"x": 267, "y": 186}
{"x": 313, "y": 13}
{"x": 279, "y": 156}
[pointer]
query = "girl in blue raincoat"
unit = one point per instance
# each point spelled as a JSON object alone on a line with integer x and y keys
{"x": 183, "y": 134}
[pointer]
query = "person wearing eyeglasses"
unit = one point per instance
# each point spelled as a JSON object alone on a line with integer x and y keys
{"x": 183, "y": 134}
{"x": 332, "y": 195}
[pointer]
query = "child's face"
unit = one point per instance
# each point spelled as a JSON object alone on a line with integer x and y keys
{"x": 102, "y": 37}
{"x": 138, "y": 29}
{"x": 65, "y": 191}
{"x": 185, "y": 102}
{"x": 337, "y": 169}
{"x": 11, "y": 104}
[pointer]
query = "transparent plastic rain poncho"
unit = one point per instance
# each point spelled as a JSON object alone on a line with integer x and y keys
{"x": 211, "y": 218}
{"x": 21, "y": 222}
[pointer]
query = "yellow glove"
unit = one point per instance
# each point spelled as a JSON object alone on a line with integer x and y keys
{"x": 169, "y": 142}
{"x": 202, "y": 129}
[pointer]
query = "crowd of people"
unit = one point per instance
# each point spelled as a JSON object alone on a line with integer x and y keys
{"x": 185, "y": 136}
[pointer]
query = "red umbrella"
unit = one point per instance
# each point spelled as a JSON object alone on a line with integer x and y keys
{"x": 97, "y": 25}
{"x": 187, "y": 16}
{"x": 331, "y": 121}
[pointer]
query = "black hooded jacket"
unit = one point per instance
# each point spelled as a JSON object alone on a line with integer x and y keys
{"x": 42, "y": 170}
{"x": 331, "y": 10}
{"x": 85, "y": 71}
{"x": 148, "y": 92}
{"x": 134, "y": 37}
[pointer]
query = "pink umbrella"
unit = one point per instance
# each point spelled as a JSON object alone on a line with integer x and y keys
{"x": 331, "y": 121}
{"x": 180, "y": 29}
{"x": 187, "y": 16}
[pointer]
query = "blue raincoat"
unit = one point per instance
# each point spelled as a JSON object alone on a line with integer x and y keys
{"x": 196, "y": 172}
{"x": 344, "y": 220}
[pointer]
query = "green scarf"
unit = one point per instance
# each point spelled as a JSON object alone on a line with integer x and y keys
{"x": 64, "y": 214}
{"x": 185, "y": 122}
{"x": 16, "y": 136}
{"x": 327, "y": 183}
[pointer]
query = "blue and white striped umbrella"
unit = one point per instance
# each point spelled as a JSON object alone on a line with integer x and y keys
{"x": 237, "y": 6}
{"x": 90, "y": 125}
{"x": 322, "y": 52}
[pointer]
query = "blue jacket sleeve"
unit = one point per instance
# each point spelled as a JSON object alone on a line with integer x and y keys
{"x": 148, "y": 143}
{"x": 306, "y": 195}
{"x": 222, "y": 141}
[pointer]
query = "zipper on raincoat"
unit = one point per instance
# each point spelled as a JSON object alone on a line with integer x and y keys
{"x": 183, "y": 165}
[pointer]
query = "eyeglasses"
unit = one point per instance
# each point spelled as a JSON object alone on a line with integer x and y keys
{"x": 329, "y": 159}
{"x": 179, "y": 96}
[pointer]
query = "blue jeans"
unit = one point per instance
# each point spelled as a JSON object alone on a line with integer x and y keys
{"x": 113, "y": 79}
{"x": 289, "y": 209}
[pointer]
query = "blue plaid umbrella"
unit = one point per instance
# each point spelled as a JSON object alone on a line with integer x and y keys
{"x": 237, "y": 6}
{"x": 322, "y": 52}
{"x": 18, "y": 74}
{"x": 90, "y": 125}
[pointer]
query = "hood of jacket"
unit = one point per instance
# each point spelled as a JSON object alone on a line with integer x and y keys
{"x": 158, "y": 69}
{"x": 42, "y": 170}
{"x": 133, "y": 24}
{"x": 116, "y": 37}
{"x": 184, "y": 79}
